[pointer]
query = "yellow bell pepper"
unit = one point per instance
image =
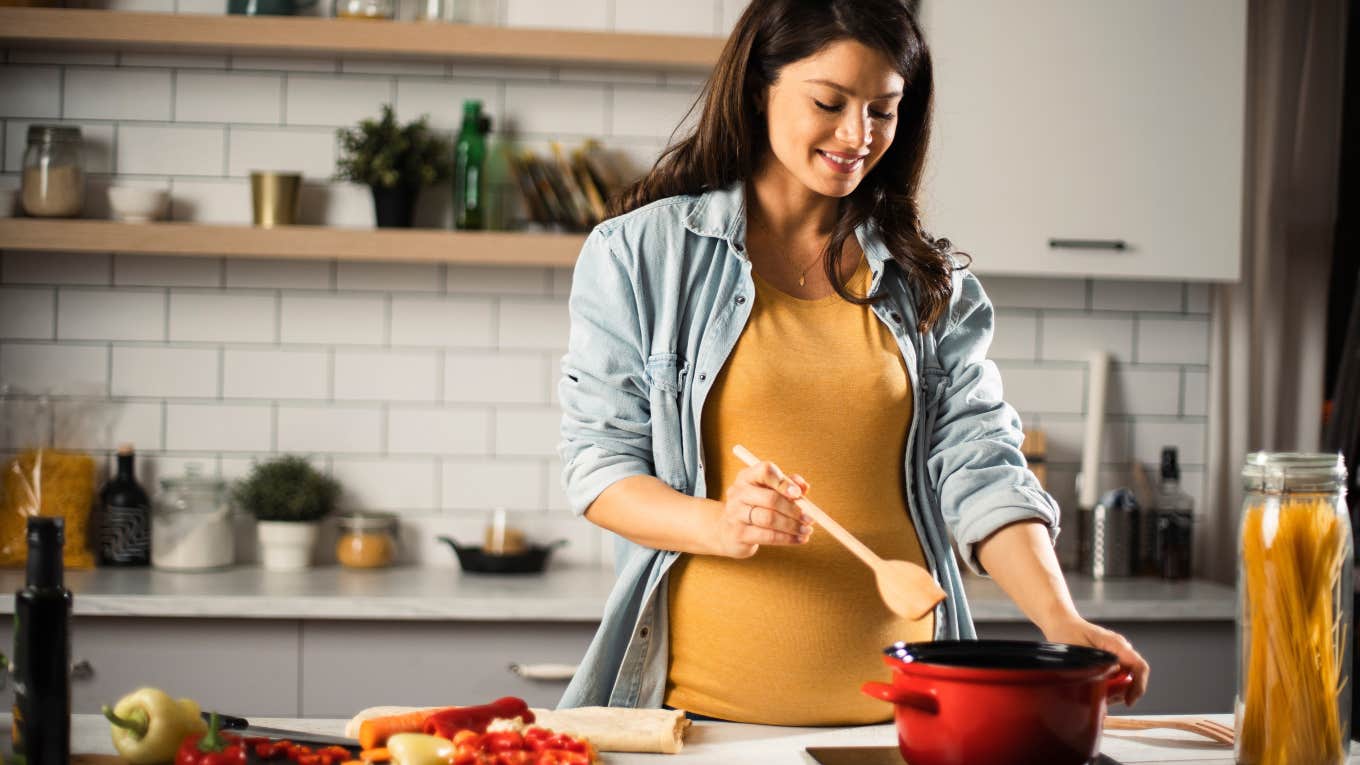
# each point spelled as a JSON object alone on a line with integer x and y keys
{"x": 148, "y": 725}
{"x": 419, "y": 749}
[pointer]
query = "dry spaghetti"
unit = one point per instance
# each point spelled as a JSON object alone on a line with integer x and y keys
{"x": 1293, "y": 553}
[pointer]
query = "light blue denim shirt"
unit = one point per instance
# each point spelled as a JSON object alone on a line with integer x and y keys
{"x": 659, "y": 297}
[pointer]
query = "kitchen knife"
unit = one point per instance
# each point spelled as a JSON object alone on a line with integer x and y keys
{"x": 242, "y": 727}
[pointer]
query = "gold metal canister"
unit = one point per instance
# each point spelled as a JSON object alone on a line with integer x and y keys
{"x": 275, "y": 198}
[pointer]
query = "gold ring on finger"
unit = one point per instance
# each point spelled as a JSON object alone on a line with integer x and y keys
{"x": 750, "y": 512}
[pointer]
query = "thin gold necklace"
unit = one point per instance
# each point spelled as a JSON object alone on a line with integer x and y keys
{"x": 802, "y": 280}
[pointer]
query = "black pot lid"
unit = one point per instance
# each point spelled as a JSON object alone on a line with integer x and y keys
{"x": 1001, "y": 654}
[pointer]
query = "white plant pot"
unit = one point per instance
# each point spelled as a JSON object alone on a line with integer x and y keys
{"x": 286, "y": 545}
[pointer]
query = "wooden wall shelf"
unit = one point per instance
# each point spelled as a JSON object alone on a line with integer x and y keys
{"x": 501, "y": 248}
{"x": 83, "y": 29}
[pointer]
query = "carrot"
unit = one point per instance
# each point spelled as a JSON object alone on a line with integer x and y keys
{"x": 376, "y": 754}
{"x": 375, "y": 731}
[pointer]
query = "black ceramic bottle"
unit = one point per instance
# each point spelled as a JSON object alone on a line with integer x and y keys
{"x": 125, "y": 516}
{"x": 42, "y": 651}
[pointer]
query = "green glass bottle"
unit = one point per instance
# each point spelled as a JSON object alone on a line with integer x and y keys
{"x": 469, "y": 187}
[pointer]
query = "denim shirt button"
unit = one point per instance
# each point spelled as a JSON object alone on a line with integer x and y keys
{"x": 703, "y": 376}
{"x": 741, "y": 299}
{"x": 644, "y": 632}
{"x": 897, "y": 317}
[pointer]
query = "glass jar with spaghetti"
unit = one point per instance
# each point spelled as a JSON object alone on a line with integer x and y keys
{"x": 1294, "y": 628}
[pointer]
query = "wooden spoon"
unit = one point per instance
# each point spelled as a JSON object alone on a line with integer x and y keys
{"x": 907, "y": 589}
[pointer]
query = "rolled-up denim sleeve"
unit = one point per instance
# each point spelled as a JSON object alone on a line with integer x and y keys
{"x": 606, "y": 422}
{"x": 981, "y": 478}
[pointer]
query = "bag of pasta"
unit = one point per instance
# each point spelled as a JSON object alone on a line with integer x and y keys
{"x": 1295, "y": 608}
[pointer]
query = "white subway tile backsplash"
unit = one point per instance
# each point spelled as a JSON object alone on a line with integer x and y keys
{"x": 557, "y": 498}
{"x": 335, "y": 101}
{"x": 1173, "y": 341}
{"x": 1066, "y": 337}
{"x": 75, "y": 57}
{"x": 442, "y": 100}
{"x": 380, "y": 66}
{"x": 1015, "y": 336}
{"x": 1197, "y": 297}
{"x": 284, "y": 63}
{"x": 561, "y": 282}
{"x": 222, "y": 317}
{"x": 693, "y": 18}
{"x": 76, "y": 370}
{"x": 337, "y": 204}
{"x": 167, "y": 150}
{"x": 103, "y": 425}
{"x": 488, "y": 484}
{"x": 475, "y": 377}
{"x": 310, "y": 151}
{"x": 533, "y": 324}
{"x": 1138, "y": 391}
{"x": 496, "y": 280}
{"x": 222, "y": 97}
{"x": 1067, "y": 435}
{"x": 1149, "y": 436}
{"x": 1044, "y": 389}
{"x": 218, "y": 427}
{"x": 339, "y": 319}
{"x": 1015, "y": 292}
{"x": 652, "y": 113}
{"x": 555, "y": 110}
{"x": 166, "y": 271}
{"x": 731, "y": 11}
{"x": 96, "y": 142}
{"x": 1117, "y": 295}
{"x": 54, "y": 268}
{"x": 108, "y": 315}
{"x": 453, "y": 322}
{"x": 165, "y": 372}
{"x": 210, "y": 201}
{"x": 558, "y": 14}
{"x": 610, "y": 75}
{"x": 464, "y": 432}
{"x": 116, "y": 94}
{"x": 27, "y": 313}
{"x": 528, "y": 432}
{"x": 279, "y": 274}
{"x": 386, "y": 376}
{"x": 494, "y": 71}
{"x": 339, "y": 430}
{"x": 391, "y": 485}
{"x": 173, "y": 60}
{"x": 283, "y": 374}
{"x": 388, "y": 277}
{"x": 1196, "y": 402}
{"x": 30, "y": 91}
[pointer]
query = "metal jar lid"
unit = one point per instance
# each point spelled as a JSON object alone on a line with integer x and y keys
{"x": 53, "y": 134}
{"x": 366, "y": 520}
{"x": 1275, "y": 472}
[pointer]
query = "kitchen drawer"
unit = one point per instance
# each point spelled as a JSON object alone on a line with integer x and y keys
{"x": 1192, "y": 662}
{"x": 246, "y": 667}
{"x": 349, "y": 665}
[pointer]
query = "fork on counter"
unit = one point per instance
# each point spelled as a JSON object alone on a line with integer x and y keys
{"x": 1215, "y": 731}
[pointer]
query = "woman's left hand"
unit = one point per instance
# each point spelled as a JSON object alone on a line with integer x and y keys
{"x": 1082, "y": 632}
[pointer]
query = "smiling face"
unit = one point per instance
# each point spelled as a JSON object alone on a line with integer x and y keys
{"x": 832, "y": 115}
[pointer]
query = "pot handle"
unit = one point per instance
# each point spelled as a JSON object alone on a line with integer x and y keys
{"x": 1117, "y": 685}
{"x": 921, "y": 702}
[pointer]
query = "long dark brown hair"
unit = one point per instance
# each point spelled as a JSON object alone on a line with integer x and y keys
{"x": 730, "y": 137}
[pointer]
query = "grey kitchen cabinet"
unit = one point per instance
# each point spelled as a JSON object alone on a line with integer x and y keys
{"x": 350, "y": 665}
{"x": 1191, "y": 661}
{"x": 1063, "y": 127}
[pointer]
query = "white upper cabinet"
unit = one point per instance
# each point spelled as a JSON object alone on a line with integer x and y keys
{"x": 1089, "y": 137}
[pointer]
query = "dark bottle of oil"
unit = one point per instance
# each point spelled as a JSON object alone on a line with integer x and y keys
{"x": 42, "y": 651}
{"x": 125, "y": 523}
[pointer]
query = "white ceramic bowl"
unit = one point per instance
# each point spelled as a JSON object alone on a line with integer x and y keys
{"x": 137, "y": 205}
{"x": 9, "y": 202}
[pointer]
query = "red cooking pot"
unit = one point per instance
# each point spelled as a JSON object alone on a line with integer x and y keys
{"x": 999, "y": 702}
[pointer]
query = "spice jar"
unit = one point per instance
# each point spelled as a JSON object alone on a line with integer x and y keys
{"x": 53, "y": 184}
{"x": 366, "y": 9}
{"x": 1294, "y": 627}
{"x": 191, "y": 527}
{"x": 367, "y": 540}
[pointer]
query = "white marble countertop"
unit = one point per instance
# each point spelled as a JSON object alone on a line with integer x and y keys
{"x": 560, "y": 594}
{"x": 727, "y": 743}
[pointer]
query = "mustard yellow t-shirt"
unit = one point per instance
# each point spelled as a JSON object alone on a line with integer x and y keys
{"x": 787, "y": 636}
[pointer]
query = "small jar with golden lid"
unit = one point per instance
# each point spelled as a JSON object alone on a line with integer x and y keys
{"x": 367, "y": 540}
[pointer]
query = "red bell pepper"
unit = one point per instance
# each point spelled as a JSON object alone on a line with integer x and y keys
{"x": 448, "y": 722}
{"x": 211, "y": 748}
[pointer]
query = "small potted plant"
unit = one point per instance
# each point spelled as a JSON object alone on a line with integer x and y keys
{"x": 396, "y": 161}
{"x": 288, "y": 498}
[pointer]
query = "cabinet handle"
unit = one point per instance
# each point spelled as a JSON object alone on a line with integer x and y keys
{"x": 546, "y": 672}
{"x": 1088, "y": 244}
{"x": 82, "y": 669}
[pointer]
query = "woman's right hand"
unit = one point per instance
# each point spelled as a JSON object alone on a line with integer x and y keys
{"x": 759, "y": 509}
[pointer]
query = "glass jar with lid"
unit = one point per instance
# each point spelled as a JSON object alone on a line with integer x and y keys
{"x": 367, "y": 540}
{"x": 53, "y": 183}
{"x": 1294, "y": 620}
{"x": 191, "y": 526}
{"x": 378, "y": 10}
